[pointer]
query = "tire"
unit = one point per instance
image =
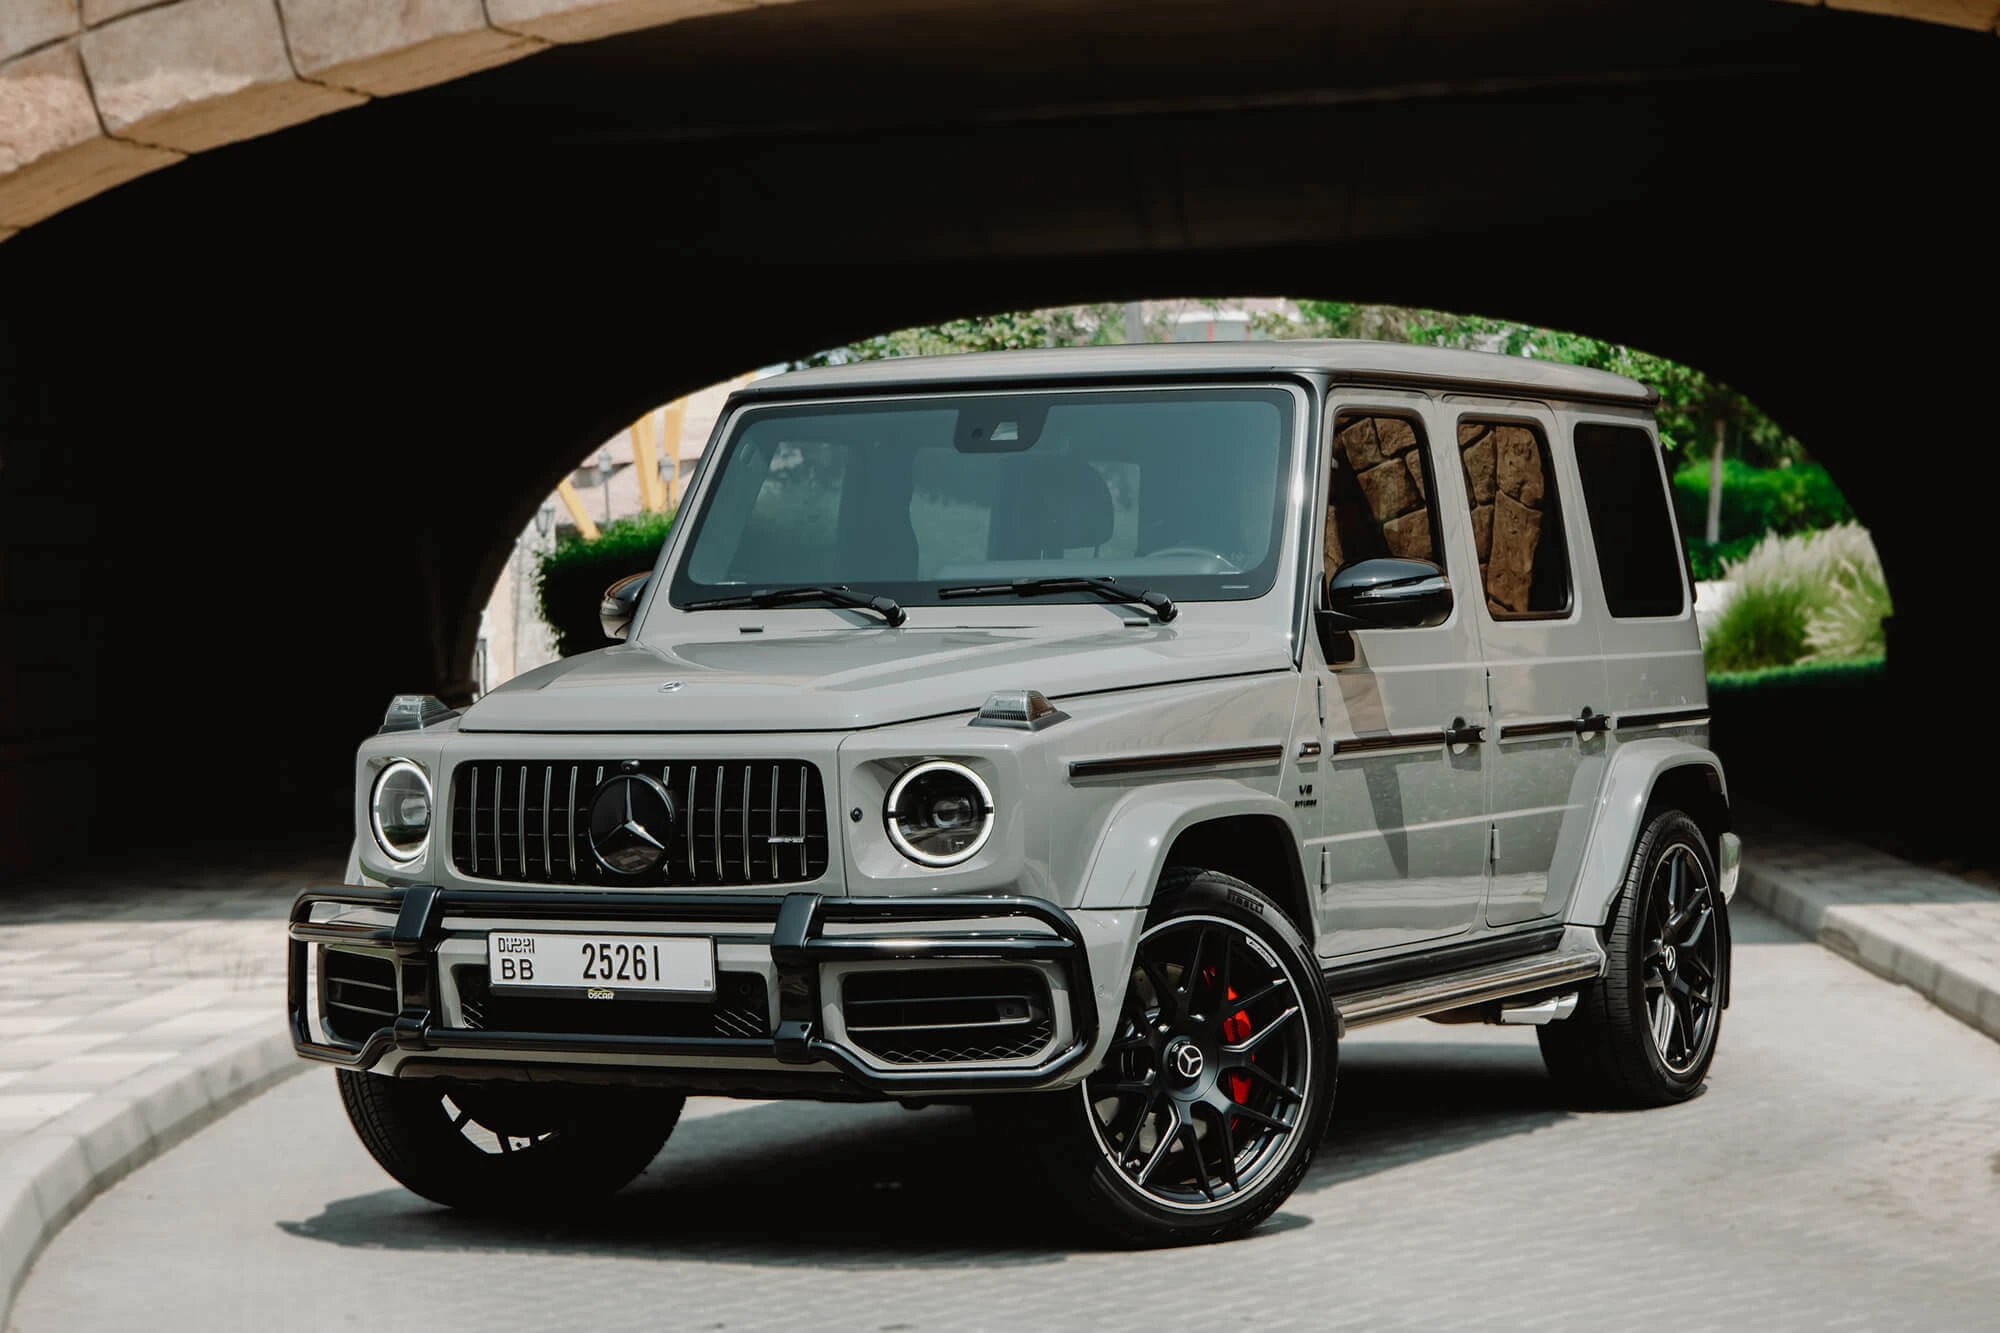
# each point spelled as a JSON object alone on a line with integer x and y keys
{"x": 507, "y": 1147}
{"x": 1191, "y": 1171}
{"x": 1668, "y": 943}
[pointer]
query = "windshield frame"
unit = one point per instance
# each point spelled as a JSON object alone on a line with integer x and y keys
{"x": 674, "y": 589}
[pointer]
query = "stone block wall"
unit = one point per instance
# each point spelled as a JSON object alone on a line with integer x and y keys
{"x": 1507, "y": 483}
{"x": 1378, "y": 505}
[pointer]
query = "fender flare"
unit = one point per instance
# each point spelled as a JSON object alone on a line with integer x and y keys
{"x": 1141, "y": 829}
{"x": 1635, "y": 770}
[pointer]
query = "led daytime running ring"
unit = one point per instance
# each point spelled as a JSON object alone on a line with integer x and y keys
{"x": 375, "y": 810}
{"x": 904, "y": 845}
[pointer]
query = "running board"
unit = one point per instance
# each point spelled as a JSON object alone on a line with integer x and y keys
{"x": 1578, "y": 958}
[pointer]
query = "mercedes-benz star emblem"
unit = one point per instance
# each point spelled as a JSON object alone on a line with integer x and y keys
{"x": 631, "y": 819}
{"x": 671, "y": 686}
{"x": 1187, "y": 1060}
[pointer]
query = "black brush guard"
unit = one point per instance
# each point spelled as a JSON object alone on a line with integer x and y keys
{"x": 798, "y": 948}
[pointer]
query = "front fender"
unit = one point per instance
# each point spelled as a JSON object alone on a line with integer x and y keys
{"x": 1635, "y": 769}
{"x": 1126, "y": 865}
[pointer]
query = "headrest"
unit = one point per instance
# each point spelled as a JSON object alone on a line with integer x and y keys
{"x": 1047, "y": 505}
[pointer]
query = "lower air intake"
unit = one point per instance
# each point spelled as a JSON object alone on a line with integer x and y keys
{"x": 942, "y": 1016}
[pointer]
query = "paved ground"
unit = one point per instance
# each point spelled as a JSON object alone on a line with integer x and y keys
{"x": 1841, "y": 1171}
{"x": 103, "y": 977}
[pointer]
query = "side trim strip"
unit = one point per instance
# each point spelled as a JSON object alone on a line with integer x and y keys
{"x": 1661, "y": 717}
{"x": 1179, "y": 761}
{"x": 1442, "y": 960}
{"x": 1399, "y": 740}
{"x": 1561, "y": 727}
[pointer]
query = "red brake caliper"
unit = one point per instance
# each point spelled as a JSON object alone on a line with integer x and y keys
{"x": 1235, "y": 1029}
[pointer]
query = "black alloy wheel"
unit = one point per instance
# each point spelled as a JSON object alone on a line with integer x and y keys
{"x": 1645, "y": 1033}
{"x": 507, "y": 1147}
{"x": 1208, "y": 1072}
{"x": 1212, "y": 1097}
{"x": 1682, "y": 964}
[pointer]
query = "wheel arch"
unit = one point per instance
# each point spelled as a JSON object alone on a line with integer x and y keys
{"x": 1215, "y": 824}
{"x": 1646, "y": 777}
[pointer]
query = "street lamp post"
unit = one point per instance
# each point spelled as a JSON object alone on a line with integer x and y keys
{"x": 545, "y": 518}
{"x": 604, "y": 468}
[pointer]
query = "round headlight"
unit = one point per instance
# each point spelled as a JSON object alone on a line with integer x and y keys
{"x": 939, "y": 813}
{"x": 400, "y": 810}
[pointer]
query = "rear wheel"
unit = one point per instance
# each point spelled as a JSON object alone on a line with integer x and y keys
{"x": 506, "y": 1147}
{"x": 1214, "y": 1093}
{"x": 1644, "y": 1034}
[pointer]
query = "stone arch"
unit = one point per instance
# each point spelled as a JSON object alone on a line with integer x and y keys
{"x": 94, "y": 93}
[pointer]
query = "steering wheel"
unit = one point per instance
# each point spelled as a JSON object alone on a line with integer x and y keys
{"x": 1228, "y": 567}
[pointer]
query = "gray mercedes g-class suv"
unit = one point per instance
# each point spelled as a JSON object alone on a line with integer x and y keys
{"x": 1091, "y": 736}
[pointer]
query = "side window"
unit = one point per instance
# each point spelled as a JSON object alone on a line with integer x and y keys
{"x": 1516, "y": 518}
{"x": 1625, "y": 496}
{"x": 1378, "y": 496}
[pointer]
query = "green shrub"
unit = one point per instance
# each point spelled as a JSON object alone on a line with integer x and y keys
{"x": 1708, "y": 559}
{"x": 570, "y": 580}
{"x": 1756, "y": 500}
{"x": 1807, "y": 597}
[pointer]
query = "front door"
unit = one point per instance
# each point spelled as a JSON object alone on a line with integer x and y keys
{"x": 1401, "y": 851}
{"x": 1543, "y": 655}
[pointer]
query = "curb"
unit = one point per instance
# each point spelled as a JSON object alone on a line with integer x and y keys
{"x": 1963, "y": 985}
{"x": 48, "y": 1176}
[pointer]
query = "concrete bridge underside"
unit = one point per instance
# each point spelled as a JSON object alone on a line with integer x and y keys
{"x": 270, "y": 419}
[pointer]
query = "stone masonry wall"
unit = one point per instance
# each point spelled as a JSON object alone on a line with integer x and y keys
{"x": 1377, "y": 502}
{"x": 1505, "y": 481}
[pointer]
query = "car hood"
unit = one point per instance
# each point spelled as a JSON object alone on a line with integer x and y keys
{"x": 841, "y": 679}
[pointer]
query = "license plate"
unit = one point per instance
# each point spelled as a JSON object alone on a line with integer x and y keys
{"x": 601, "y": 967}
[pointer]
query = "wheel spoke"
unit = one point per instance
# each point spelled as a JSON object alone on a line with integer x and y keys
{"x": 1663, "y": 1021}
{"x": 1129, "y": 1140}
{"x": 1256, "y": 1039}
{"x": 459, "y": 1122}
{"x": 1187, "y": 1135}
{"x": 506, "y": 1143}
{"x": 1262, "y": 995}
{"x": 1163, "y": 989}
{"x": 1242, "y": 1112}
{"x": 1268, "y": 1079}
{"x": 1123, "y": 1089}
{"x": 1228, "y": 1137}
{"x": 1700, "y": 919}
{"x": 1161, "y": 1148}
{"x": 1191, "y": 978}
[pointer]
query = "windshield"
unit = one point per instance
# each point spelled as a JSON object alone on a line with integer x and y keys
{"x": 1180, "y": 491}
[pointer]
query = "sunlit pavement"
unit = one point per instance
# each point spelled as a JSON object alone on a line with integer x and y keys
{"x": 1839, "y": 1171}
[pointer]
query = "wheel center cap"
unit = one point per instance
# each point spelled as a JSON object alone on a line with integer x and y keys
{"x": 1667, "y": 958}
{"x": 1183, "y": 1060}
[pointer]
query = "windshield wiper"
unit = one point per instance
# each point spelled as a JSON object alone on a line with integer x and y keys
{"x": 1110, "y": 589}
{"x": 838, "y": 594}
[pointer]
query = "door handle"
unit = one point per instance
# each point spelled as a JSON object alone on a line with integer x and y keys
{"x": 1588, "y": 722}
{"x": 1462, "y": 733}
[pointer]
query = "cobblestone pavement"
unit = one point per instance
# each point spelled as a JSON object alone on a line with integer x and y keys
{"x": 104, "y": 977}
{"x": 1840, "y": 1171}
{"x": 1935, "y": 932}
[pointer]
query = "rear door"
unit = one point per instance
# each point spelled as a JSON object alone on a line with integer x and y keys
{"x": 1402, "y": 814}
{"x": 1538, "y": 631}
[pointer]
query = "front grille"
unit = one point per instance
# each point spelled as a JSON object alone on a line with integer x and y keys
{"x": 737, "y": 821}
{"x": 936, "y": 1016}
{"x": 357, "y": 992}
{"x": 741, "y": 1009}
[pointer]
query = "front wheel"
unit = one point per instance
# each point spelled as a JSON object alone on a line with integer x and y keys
{"x": 1644, "y": 1033}
{"x": 1212, "y": 1098}
{"x": 507, "y": 1147}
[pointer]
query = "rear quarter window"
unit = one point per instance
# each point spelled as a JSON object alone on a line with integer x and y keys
{"x": 1625, "y": 495}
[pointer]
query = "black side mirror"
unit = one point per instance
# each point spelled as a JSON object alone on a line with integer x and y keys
{"x": 1380, "y": 594}
{"x": 621, "y": 599}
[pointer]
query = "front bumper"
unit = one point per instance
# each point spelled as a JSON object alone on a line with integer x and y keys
{"x": 799, "y": 947}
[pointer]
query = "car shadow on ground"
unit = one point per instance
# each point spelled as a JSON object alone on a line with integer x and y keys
{"x": 873, "y": 1186}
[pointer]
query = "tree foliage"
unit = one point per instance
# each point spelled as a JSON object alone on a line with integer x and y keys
{"x": 1691, "y": 403}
